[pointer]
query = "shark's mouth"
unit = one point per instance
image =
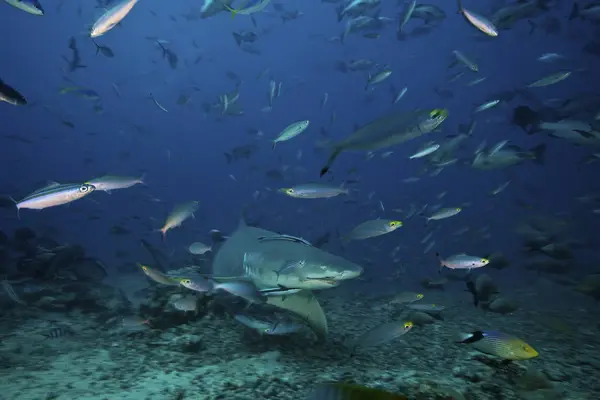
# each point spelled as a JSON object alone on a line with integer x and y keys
{"x": 327, "y": 280}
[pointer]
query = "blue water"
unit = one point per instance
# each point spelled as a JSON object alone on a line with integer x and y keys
{"x": 181, "y": 152}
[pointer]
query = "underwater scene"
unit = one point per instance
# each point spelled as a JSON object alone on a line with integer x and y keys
{"x": 300, "y": 200}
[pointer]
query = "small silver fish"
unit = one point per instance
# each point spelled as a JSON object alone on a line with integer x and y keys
{"x": 288, "y": 238}
{"x": 55, "y": 194}
{"x": 198, "y": 284}
{"x": 462, "y": 261}
{"x": 444, "y": 213}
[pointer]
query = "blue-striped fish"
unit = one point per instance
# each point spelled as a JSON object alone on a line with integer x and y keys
{"x": 55, "y": 194}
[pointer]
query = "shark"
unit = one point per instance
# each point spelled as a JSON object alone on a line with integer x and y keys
{"x": 321, "y": 270}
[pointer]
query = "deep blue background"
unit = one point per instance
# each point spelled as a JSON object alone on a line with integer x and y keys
{"x": 298, "y": 55}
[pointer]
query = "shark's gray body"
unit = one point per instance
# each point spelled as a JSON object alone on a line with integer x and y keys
{"x": 322, "y": 270}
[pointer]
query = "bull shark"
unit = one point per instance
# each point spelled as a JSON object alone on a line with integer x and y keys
{"x": 320, "y": 271}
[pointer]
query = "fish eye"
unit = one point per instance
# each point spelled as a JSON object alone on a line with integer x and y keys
{"x": 419, "y": 296}
{"x": 84, "y": 188}
{"x": 289, "y": 191}
{"x": 458, "y": 209}
{"x": 408, "y": 325}
{"x": 186, "y": 281}
{"x": 483, "y": 260}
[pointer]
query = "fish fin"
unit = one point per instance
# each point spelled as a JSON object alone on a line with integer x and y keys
{"x": 574, "y": 12}
{"x": 142, "y": 179}
{"x": 274, "y": 144}
{"x": 108, "y": 191}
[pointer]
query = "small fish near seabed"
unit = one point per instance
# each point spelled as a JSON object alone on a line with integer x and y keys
{"x": 498, "y": 344}
{"x": 462, "y": 261}
{"x": 380, "y": 334}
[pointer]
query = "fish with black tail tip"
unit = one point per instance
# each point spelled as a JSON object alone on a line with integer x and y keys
{"x": 499, "y": 344}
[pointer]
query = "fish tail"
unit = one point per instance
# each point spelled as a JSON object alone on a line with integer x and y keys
{"x": 574, "y": 12}
{"x": 17, "y": 206}
{"x": 142, "y": 179}
{"x": 441, "y": 262}
{"x": 273, "y": 146}
{"x": 532, "y": 26}
{"x": 233, "y": 11}
{"x": 336, "y": 152}
{"x": 471, "y": 337}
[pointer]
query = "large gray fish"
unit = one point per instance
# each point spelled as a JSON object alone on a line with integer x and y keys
{"x": 320, "y": 265}
{"x": 389, "y": 130}
{"x": 264, "y": 327}
{"x": 55, "y": 194}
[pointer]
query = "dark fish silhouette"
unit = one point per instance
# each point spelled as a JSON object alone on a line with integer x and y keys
{"x": 473, "y": 291}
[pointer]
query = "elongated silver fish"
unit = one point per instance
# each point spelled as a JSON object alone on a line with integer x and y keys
{"x": 314, "y": 191}
{"x": 372, "y": 228}
{"x": 381, "y": 334}
{"x": 287, "y": 238}
{"x": 55, "y": 194}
